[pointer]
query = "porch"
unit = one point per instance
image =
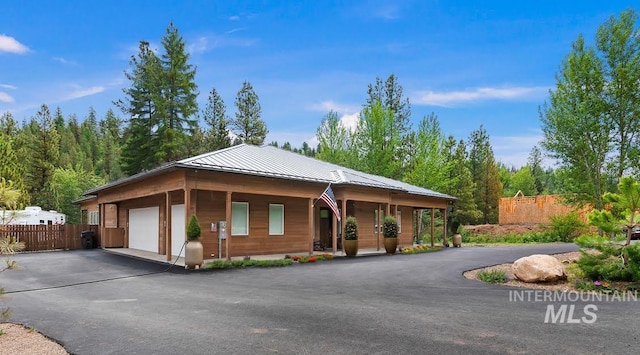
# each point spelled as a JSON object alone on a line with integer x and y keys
{"x": 155, "y": 257}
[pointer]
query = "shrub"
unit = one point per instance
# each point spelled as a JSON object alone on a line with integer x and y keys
{"x": 225, "y": 264}
{"x": 390, "y": 227}
{"x": 193, "y": 229}
{"x": 614, "y": 262}
{"x": 566, "y": 227}
{"x": 350, "y": 228}
{"x": 493, "y": 276}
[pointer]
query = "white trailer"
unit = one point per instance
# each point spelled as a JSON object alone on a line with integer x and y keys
{"x": 31, "y": 215}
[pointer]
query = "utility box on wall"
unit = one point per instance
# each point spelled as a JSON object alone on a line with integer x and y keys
{"x": 222, "y": 230}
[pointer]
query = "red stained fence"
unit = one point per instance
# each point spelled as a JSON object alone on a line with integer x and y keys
{"x": 48, "y": 237}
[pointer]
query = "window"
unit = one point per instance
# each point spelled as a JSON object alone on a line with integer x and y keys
{"x": 94, "y": 218}
{"x": 399, "y": 220}
{"x": 276, "y": 219}
{"x": 240, "y": 218}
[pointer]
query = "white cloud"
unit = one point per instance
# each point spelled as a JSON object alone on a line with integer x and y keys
{"x": 234, "y": 30}
{"x": 64, "y": 61}
{"x": 234, "y": 18}
{"x": 209, "y": 42}
{"x": 330, "y": 105}
{"x": 85, "y": 92}
{"x": 11, "y": 45}
{"x": 350, "y": 122}
{"x": 7, "y": 86}
{"x": 4, "y": 97}
{"x": 513, "y": 151}
{"x": 453, "y": 98}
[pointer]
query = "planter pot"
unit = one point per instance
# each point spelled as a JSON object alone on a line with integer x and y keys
{"x": 351, "y": 247}
{"x": 391, "y": 245}
{"x": 193, "y": 254}
{"x": 457, "y": 240}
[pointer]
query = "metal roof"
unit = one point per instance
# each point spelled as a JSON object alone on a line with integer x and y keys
{"x": 270, "y": 161}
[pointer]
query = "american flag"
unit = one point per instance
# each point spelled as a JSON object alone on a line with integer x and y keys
{"x": 330, "y": 199}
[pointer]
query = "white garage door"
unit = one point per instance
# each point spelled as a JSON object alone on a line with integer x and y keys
{"x": 144, "y": 228}
{"x": 178, "y": 230}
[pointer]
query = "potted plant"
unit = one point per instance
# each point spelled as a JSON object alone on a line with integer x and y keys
{"x": 351, "y": 236}
{"x": 390, "y": 232}
{"x": 193, "y": 252}
{"x": 456, "y": 228}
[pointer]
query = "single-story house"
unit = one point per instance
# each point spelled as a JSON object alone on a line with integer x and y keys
{"x": 265, "y": 200}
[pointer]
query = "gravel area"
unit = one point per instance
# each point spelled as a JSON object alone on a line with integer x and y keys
{"x": 16, "y": 339}
{"x": 562, "y": 285}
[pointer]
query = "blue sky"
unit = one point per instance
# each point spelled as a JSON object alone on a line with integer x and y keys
{"x": 472, "y": 63}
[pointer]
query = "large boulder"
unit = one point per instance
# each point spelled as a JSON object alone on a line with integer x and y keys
{"x": 538, "y": 268}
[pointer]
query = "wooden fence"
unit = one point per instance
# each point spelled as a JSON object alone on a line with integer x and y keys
{"x": 534, "y": 209}
{"x": 48, "y": 237}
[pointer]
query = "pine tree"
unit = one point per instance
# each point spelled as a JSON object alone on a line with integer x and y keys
{"x": 215, "y": 115}
{"x": 535, "y": 165}
{"x": 178, "y": 105}
{"x": 484, "y": 172}
{"x": 248, "y": 126}
{"x": 141, "y": 105}
{"x": 111, "y": 136}
{"x": 460, "y": 183}
{"x": 389, "y": 93}
{"x": 43, "y": 154}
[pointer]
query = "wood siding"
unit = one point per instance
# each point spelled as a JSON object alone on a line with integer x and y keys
{"x": 204, "y": 193}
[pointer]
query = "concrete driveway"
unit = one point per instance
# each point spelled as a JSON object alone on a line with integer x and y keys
{"x": 403, "y": 304}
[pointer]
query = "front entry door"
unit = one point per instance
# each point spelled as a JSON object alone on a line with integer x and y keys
{"x": 326, "y": 224}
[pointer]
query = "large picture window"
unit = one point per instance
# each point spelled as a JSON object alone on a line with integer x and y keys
{"x": 276, "y": 219}
{"x": 240, "y": 218}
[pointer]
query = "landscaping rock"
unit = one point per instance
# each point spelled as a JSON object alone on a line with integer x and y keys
{"x": 538, "y": 268}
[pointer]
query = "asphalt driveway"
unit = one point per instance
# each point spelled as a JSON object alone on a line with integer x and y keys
{"x": 403, "y": 304}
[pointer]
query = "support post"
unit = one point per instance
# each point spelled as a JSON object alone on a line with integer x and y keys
{"x": 444, "y": 227}
{"x": 228, "y": 220}
{"x": 433, "y": 227}
{"x": 334, "y": 232}
{"x": 344, "y": 218}
{"x": 379, "y": 227}
{"x": 311, "y": 228}
{"x": 167, "y": 241}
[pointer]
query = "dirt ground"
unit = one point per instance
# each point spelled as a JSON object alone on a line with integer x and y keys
{"x": 499, "y": 229}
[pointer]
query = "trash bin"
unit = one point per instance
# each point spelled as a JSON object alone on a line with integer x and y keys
{"x": 88, "y": 239}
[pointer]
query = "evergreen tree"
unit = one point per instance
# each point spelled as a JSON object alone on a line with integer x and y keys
{"x": 177, "y": 103}
{"x": 111, "y": 136}
{"x": 248, "y": 126}
{"x": 142, "y": 106}
{"x": 89, "y": 133}
{"x": 43, "y": 153}
{"x": 389, "y": 93}
{"x": 535, "y": 164}
{"x": 460, "y": 183}
{"x": 215, "y": 115}
{"x": 484, "y": 172}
